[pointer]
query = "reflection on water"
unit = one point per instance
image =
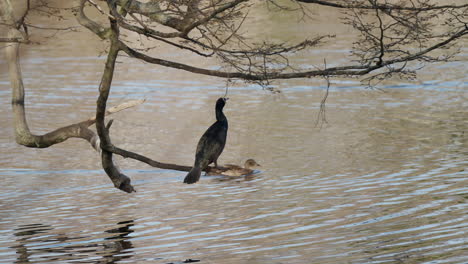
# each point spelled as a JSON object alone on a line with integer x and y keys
{"x": 40, "y": 243}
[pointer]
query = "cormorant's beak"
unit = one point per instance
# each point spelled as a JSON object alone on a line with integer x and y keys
{"x": 225, "y": 99}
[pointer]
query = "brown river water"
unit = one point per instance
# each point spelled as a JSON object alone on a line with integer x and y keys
{"x": 384, "y": 181}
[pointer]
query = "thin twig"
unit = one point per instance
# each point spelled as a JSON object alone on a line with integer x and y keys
{"x": 321, "y": 116}
{"x": 100, "y": 9}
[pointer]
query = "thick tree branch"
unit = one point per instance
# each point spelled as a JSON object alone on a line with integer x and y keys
{"x": 352, "y": 70}
{"x": 381, "y": 6}
{"x": 23, "y": 135}
{"x": 120, "y": 180}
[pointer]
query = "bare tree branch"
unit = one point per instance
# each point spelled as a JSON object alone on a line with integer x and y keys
{"x": 351, "y": 70}
{"x": 151, "y": 9}
{"x": 22, "y": 133}
{"x": 120, "y": 180}
{"x": 213, "y": 14}
{"x": 379, "y": 6}
{"x": 321, "y": 116}
{"x": 95, "y": 27}
{"x": 100, "y": 9}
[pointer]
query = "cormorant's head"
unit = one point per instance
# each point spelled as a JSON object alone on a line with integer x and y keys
{"x": 221, "y": 102}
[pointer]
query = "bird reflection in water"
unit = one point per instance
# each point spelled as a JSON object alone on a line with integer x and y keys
{"x": 39, "y": 243}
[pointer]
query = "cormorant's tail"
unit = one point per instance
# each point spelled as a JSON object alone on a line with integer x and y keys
{"x": 193, "y": 176}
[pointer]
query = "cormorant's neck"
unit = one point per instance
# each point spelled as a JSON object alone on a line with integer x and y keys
{"x": 219, "y": 114}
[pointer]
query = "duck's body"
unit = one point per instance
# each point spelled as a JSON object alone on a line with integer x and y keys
{"x": 235, "y": 170}
{"x": 210, "y": 145}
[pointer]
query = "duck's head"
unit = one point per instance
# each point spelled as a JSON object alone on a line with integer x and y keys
{"x": 251, "y": 163}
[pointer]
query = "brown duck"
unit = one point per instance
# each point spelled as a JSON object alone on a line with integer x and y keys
{"x": 235, "y": 170}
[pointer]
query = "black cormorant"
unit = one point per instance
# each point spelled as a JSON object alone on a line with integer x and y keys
{"x": 211, "y": 144}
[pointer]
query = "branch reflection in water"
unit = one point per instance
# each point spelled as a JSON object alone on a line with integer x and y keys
{"x": 39, "y": 243}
